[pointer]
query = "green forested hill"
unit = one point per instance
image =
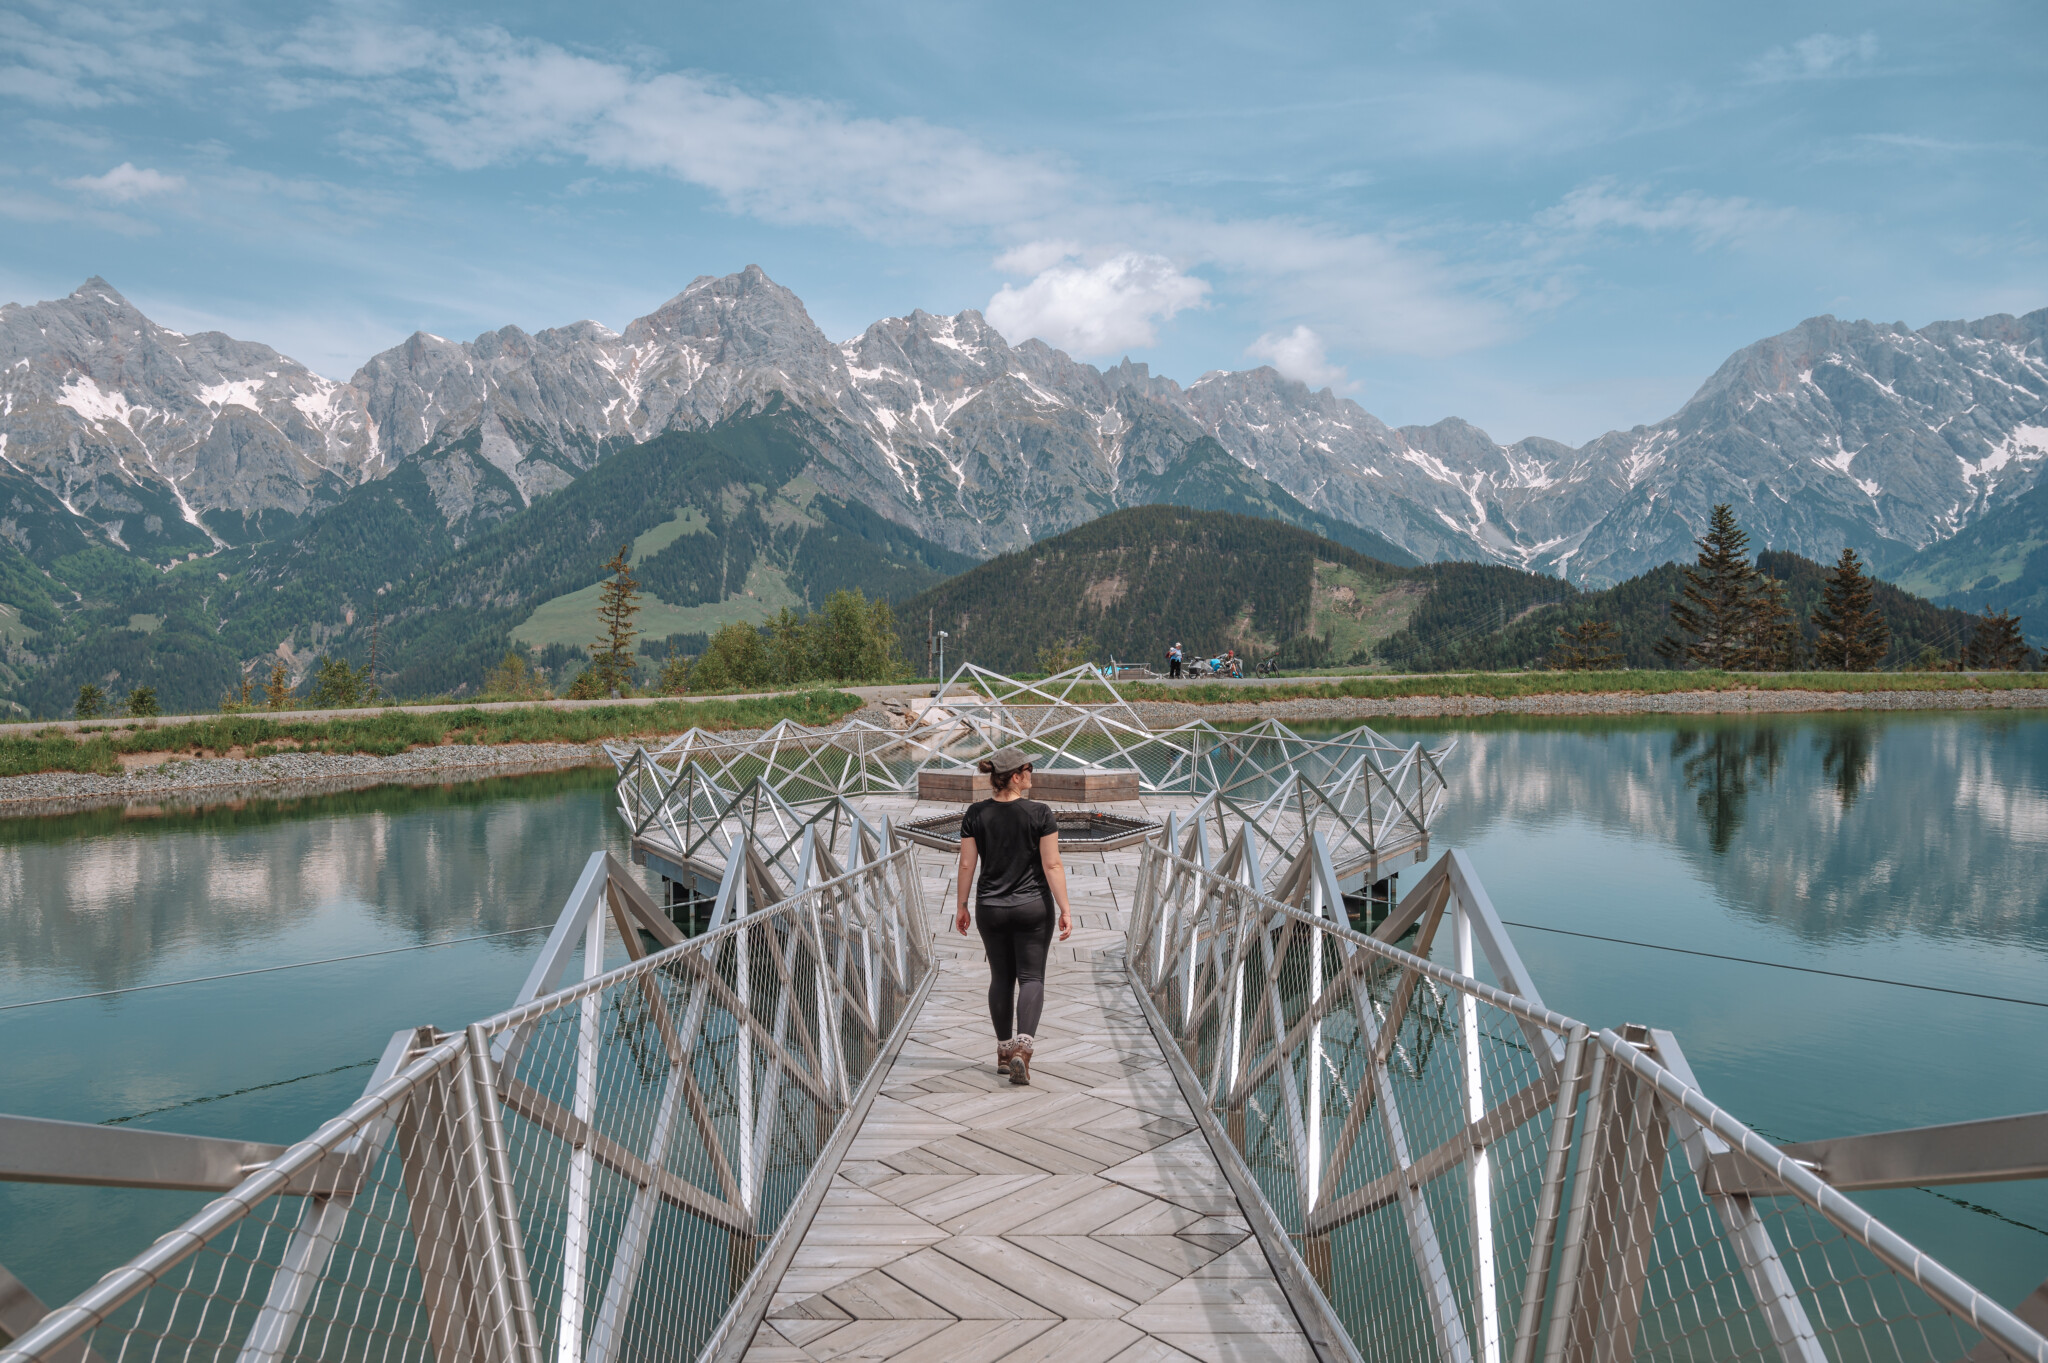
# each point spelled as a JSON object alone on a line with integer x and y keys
{"x": 1640, "y": 609}
{"x": 731, "y": 527}
{"x": 1133, "y": 582}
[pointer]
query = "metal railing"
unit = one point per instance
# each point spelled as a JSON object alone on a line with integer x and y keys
{"x": 1446, "y": 1169}
{"x": 614, "y": 1168}
{"x": 691, "y": 797}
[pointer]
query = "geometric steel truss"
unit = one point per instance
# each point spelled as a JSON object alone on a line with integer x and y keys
{"x": 684, "y": 802}
{"x": 1408, "y": 1135}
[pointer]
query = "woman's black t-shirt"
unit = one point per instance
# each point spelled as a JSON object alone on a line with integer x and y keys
{"x": 1006, "y": 834}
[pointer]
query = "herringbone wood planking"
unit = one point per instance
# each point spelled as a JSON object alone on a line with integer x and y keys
{"x": 1081, "y": 1219}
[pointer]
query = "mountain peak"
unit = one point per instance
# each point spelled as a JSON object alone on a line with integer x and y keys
{"x": 98, "y": 288}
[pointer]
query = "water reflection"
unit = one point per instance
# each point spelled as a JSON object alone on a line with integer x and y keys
{"x": 1846, "y": 752}
{"x": 1835, "y": 828}
{"x": 103, "y": 901}
{"x": 1723, "y": 766}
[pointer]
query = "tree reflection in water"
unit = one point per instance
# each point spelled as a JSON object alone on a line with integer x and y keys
{"x": 1846, "y": 750}
{"x": 1724, "y": 765}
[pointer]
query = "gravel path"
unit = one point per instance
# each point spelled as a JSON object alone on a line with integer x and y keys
{"x": 215, "y": 779}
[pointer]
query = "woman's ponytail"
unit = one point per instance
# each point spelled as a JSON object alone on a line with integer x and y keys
{"x": 996, "y": 780}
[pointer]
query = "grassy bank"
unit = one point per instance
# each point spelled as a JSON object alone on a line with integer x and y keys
{"x": 99, "y": 749}
{"x": 1506, "y": 685}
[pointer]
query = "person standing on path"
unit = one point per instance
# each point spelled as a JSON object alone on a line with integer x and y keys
{"x": 1173, "y": 657}
{"x": 1017, "y": 843}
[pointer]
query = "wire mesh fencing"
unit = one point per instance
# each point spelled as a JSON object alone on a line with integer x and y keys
{"x": 600, "y": 1174}
{"x": 1464, "y": 1174}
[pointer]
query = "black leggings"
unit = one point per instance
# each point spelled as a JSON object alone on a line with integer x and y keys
{"x": 1016, "y": 937}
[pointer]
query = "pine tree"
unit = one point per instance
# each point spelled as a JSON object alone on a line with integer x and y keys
{"x": 1715, "y": 607}
{"x": 142, "y": 703}
{"x": 91, "y": 700}
{"x": 278, "y": 695}
{"x": 611, "y": 657}
{"x": 1853, "y": 635}
{"x": 1996, "y": 644}
{"x": 675, "y": 675}
{"x": 1589, "y": 648}
{"x": 1774, "y": 643}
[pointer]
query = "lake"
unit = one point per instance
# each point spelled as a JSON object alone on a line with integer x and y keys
{"x": 1910, "y": 849}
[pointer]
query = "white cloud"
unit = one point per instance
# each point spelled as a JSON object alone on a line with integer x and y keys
{"x": 1298, "y": 354}
{"x": 126, "y": 182}
{"x": 1815, "y": 57}
{"x": 1097, "y": 309}
{"x": 1035, "y": 256}
{"x": 1602, "y": 205}
{"x": 485, "y": 97}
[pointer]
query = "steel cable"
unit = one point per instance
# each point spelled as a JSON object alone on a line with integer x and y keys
{"x": 268, "y": 969}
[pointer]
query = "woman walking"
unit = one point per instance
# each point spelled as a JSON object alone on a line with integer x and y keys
{"x": 1017, "y": 842}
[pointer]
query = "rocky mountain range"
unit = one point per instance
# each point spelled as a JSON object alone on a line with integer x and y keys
{"x": 118, "y": 431}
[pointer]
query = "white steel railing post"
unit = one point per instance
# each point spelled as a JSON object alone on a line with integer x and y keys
{"x": 576, "y": 1231}
{"x": 1486, "y": 1303}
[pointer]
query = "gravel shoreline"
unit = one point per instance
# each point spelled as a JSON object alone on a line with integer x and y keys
{"x": 1166, "y": 713}
{"x": 211, "y": 780}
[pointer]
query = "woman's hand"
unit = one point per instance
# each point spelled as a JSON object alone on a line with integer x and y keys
{"x": 961, "y": 922}
{"x": 1066, "y": 925}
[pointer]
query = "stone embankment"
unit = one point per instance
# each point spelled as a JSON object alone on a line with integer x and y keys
{"x": 214, "y": 779}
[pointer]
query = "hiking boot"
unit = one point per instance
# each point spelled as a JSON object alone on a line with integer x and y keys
{"x": 1020, "y": 1059}
{"x": 1004, "y": 1049}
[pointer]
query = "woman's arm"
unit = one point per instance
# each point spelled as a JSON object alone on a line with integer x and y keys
{"x": 1056, "y": 878}
{"x": 965, "y": 878}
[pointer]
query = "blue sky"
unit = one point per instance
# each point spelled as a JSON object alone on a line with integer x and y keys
{"x": 1549, "y": 220}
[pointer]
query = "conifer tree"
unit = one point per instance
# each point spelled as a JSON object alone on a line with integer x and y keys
{"x": 1996, "y": 643}
{"x": 1589, "y": 648}
{"x": 611, "y": 657}
{"x": 91, "y": 700}
{"x": 675, "y": 675}
{"x": 1774, "y": 644}
{"x": 1853, "y": 635}
{"x": 278, "y": 695}
{"x": 1715, "y": 607}
{"x": 142, "y": 704}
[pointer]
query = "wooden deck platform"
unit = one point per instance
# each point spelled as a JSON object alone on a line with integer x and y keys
{"x": 1082, "y": 1219}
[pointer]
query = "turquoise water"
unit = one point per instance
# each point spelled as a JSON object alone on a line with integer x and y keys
{"x": 1911, "y": 848}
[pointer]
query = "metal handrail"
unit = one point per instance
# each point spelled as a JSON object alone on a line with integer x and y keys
{"x": 462, "y": 1201}
{"x": 1240, "y": 981}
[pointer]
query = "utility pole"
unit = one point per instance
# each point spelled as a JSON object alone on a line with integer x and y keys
{"x": 930, "y": 620}
{"x": 943, "y": 636}
{"x": 376, "y": 620}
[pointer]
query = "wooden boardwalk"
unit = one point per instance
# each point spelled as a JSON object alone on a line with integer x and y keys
{"x": 1081, "y": 1219}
